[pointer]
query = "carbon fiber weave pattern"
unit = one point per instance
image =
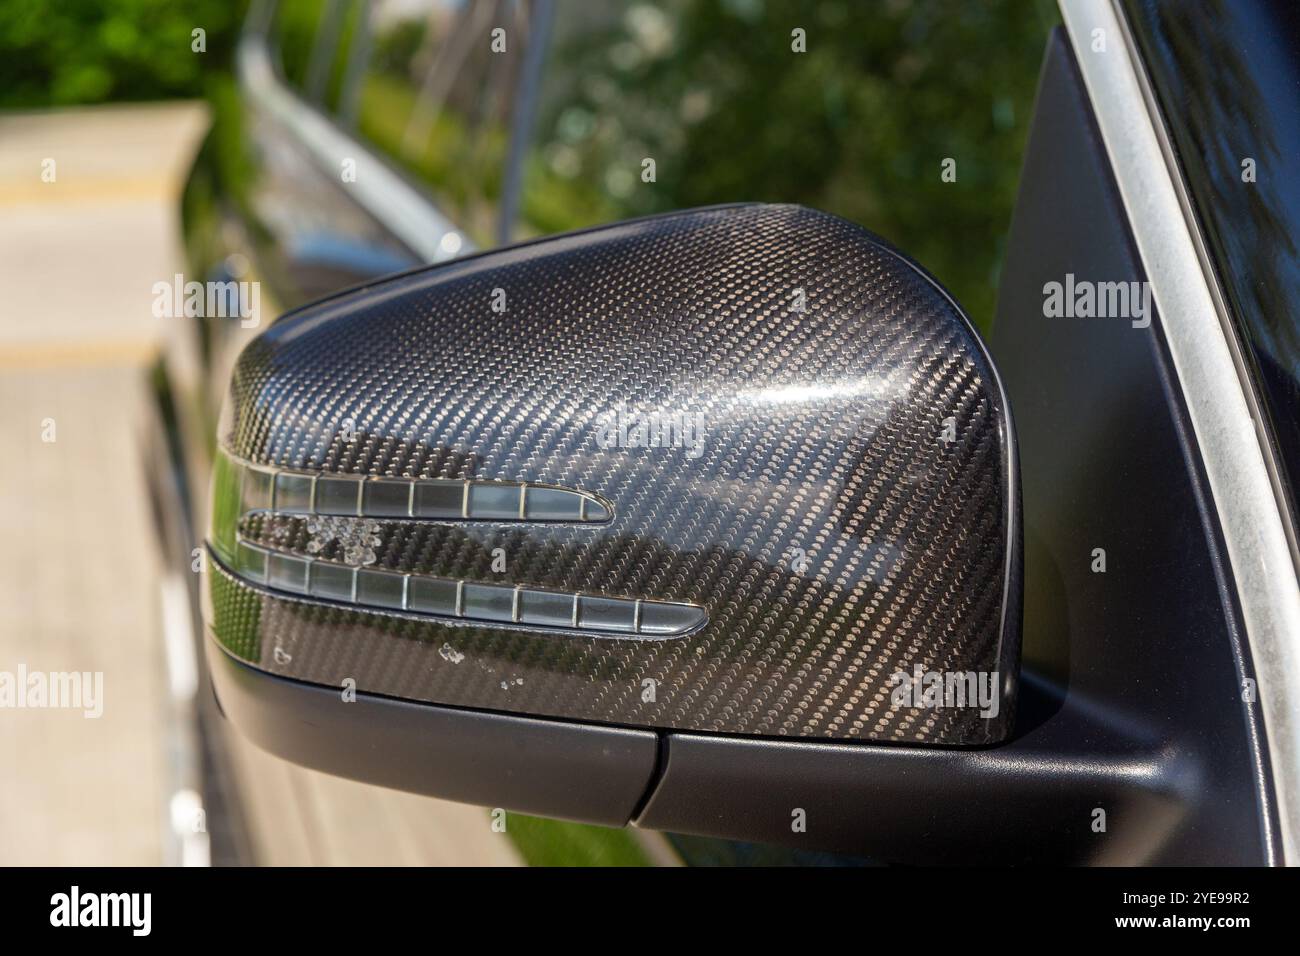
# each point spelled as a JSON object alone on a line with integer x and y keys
{"x": 840, "y": 495}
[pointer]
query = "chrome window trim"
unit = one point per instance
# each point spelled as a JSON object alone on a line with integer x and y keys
{"x": 403, "y": 209}
{"x": 1253, "y": 516}
{"x": 523, "y": 113}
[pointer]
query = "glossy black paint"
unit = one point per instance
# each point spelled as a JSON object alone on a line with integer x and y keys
{"x": 547, "y": 767}
{"x": 1151, "y": 649}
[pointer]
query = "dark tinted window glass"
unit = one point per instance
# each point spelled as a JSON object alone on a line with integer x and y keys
{"x": 1228, "y": 79}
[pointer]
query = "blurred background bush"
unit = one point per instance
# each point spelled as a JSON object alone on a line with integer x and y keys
{"x": 858, "y": 125}
{"x": 93, "y": 51}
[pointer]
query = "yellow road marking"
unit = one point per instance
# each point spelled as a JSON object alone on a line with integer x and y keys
{"x": 44, "y": 355}
{"x": 103, "y": 189}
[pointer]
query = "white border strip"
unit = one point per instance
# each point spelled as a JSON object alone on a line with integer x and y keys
{"x": 1251, "y": 518}
{"x": 403, "y": 209}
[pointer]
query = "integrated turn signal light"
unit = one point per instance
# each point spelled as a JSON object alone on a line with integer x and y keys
{"x": 242, "y": 490}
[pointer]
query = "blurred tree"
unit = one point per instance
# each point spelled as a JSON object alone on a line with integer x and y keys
{"x": 83, "y": 51}
{"x": 859, "y": 125}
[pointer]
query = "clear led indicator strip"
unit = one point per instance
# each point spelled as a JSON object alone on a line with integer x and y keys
{"x": 242, "y": 488}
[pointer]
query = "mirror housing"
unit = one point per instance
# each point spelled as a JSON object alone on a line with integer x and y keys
{"x": 742, "y": 471}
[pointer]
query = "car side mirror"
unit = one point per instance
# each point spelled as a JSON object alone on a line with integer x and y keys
{"x": 717, "y": 501}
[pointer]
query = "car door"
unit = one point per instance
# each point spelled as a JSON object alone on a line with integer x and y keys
{"x": 300, "y": 190}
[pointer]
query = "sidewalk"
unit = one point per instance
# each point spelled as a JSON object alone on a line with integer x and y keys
{"x": 80, "y": 584}
{"x": 78, "y": 576}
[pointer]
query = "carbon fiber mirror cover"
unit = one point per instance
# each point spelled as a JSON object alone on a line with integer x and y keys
{"x": 744, "y": 470}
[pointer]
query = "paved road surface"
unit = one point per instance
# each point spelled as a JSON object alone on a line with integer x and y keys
{"x": 80, "y": 583}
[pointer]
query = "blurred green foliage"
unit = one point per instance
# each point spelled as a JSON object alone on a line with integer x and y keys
{"x": 293, "y": 34}
{"x": 436, "y": 100}
{"x": 96, "y": 51}
{"x": 299, "y": 26}
{"x": 858, "y": 125}
{"x": 459, "y": 162}
{"x": 559, "y": 843}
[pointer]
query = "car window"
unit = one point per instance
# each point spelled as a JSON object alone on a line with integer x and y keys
{"x": 1227, "y": 77}
{"x": 908, "y": 118}
{"x": 436, "y": 95}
